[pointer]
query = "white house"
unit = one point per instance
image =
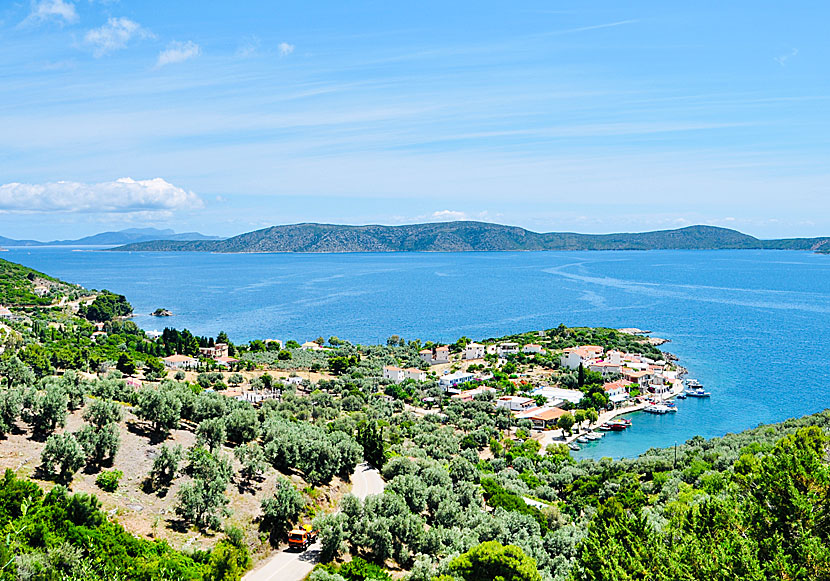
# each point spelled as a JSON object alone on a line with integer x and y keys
{"x": 292, "y": 380}
{"x": 534, "y": 348}
{"x": 180, "y": 361}
{"x": 5, "y": 313}
{"x": 616, "y": 391}
{"x": 153, "y": 335}
{"x": 515, "y": 403}
{"x": 225, "y": 361}
{"x": 453, "y": 379}
{"x": 470, "y": 394}
{"x": 474, "y": 351}
{"x": 559, "y": 394}
{"x": 436, "y": 355}
{"x": 415, "y": 374}
{"x": 606, "y": 368}
{"x": 573, "y": 357}
{"x": 396, "y": 374}
{"x": 310, "y": 346}
{"x": 219, "y": 350}
{"x": 641, "y": 378}
{"x": 508, "y": 348}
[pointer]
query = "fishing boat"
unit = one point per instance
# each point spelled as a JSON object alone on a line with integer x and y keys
{"x": 605, "y": 427}
{"x": 697, "y": 392}
{"x": 594, "y": 436}
{"x": 573, "y": 447}
{"x": 681, "y": 395}
{"x": 617, "y": 426}
{"x": 583, "y": 439}
{"x": 656, "y": 408}
{"x": 693, "y": 383}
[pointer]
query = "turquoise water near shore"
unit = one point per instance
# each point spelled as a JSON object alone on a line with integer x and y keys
{"x": 751, "y": 325}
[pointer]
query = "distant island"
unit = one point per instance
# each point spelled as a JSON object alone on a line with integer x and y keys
{"x": 128, "y": 236}
{"x": 466, "y": 236}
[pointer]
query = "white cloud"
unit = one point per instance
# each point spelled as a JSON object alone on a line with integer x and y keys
{"x": 782, "y": 59}
{"x": 60, "y": 10}
{"x": 178, "y": 52}
{"x": 448, "y": 215}
{"x": 285, "y": 48}
{"x": 122, "y": 196}
{"x": 114, "y": 35}
{"x": 248, "y": 47}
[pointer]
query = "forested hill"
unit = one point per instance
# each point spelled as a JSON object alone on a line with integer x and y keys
{"x": 466, "y": 237}
{"x": 20, "y": 285}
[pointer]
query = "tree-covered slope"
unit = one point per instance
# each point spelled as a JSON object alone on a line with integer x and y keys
{"x": 18, "y": 283}
{"x": 464, "y": 237}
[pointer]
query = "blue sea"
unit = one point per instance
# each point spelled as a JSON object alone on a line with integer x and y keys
{"x": 751, "y": 325}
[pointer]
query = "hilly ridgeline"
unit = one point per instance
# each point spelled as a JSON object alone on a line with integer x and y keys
{"x": 470, "y": 236}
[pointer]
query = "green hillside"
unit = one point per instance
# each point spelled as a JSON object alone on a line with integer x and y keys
{"x": 467, "y": 237}
{"x": 18, "y": 283}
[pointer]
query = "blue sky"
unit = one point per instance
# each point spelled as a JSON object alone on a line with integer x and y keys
{"x": 584, "y": 116}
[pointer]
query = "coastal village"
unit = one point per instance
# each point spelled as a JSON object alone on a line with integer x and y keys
{"x": 534, "y": 394}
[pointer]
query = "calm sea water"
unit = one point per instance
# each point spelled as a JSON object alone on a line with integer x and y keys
{"x": 751, "y": 325}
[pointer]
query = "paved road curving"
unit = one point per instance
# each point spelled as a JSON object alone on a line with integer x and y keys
{"x": 291, "y": 566}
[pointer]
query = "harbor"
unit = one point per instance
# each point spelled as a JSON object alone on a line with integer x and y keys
{"x": 615, "y": 420}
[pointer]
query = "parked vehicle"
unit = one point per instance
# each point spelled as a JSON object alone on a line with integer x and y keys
{"x": 301, "y": 538}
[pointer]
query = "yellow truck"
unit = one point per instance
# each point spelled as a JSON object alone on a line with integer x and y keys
{"x": 301, "y": 537}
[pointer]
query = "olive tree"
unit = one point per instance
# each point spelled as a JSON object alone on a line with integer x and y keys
{"x": 45, "y": 410}
{"x": 11, "y": 402}
{"x": 281, "y": 510}
{"x": 252, "y": 458}
{"x": 62, "y": 457}
{"x": 165, "y": 465}
{"x": 159, "y": 407}
{"x": 211, "y": 433}
{"x": 100, "y": 444}
{"x": 101, "y": 412}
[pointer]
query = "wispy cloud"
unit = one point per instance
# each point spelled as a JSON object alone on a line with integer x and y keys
{"x": 591, "y": 27}
{"x": 248, "y": 47}
{"x": 448, "y": 215}
{"x": 285, "y": 48}
{"x": 114, "y": 35}
{"x": 178, "y": 52}
{"x": 782, "y": 59}
{"x": 61, "y": 11}
{"x": 122, "y": 196}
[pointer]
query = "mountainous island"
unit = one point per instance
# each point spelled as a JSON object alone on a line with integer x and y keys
{"x": 130, "y": 235}
{"x": 464, "y": 236}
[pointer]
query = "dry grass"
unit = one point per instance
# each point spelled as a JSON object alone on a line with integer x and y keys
{"x": 151, "y": 514}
